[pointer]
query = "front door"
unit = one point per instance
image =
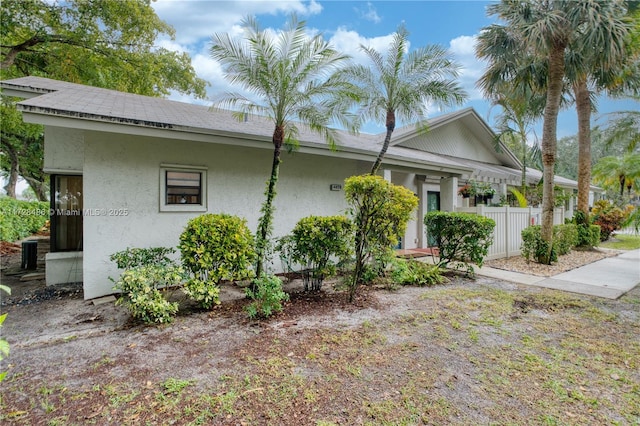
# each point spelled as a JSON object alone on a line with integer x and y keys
{"x": 433, "y": 203}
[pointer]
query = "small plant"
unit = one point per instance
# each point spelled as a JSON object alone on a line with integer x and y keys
{"x": 462, "y": 238}
{"x": 4, "y": 345}
{"x": 413, "y": 272}
{"x": 314, "y": 241}
{"x": 215, "y": 247}
{"x": 267, "y": 296}
{"x": 142, "y": 292}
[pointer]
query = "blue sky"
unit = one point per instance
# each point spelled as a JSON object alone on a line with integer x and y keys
{"x": 346, "y": 24}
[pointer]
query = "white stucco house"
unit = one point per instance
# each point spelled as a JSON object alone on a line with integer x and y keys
{"x": 137, "y": 168}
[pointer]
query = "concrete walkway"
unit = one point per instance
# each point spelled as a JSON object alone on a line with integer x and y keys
{"x": 610, "y": 277}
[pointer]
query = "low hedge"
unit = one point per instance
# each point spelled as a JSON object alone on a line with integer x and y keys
{"x": 565, "y": 238}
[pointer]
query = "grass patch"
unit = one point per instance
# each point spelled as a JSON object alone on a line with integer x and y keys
{"x": 622, "y": 242}
{"x": 471, "y": 354}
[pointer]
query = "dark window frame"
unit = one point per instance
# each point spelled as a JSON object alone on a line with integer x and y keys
{"x": 54, "y": 218}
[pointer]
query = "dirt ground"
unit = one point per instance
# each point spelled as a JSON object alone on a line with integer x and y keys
{"x": 467, "y": 352}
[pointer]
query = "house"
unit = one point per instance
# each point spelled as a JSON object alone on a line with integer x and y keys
{"x": 130, "y": 171}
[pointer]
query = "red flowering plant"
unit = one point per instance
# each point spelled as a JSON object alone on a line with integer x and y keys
{"x": 466, "y": 191}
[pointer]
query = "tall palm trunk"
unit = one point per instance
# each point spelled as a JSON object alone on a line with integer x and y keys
{"x": 583, "y": 108}
{"x": 266, "y": 220}
{"x": 549, "y": 143}
{"x": 391, "y": 125}
{"x": 523, "y": 181}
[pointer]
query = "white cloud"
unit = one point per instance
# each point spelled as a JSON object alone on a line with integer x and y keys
{"x": 197, "y": 20}
{"x": 171, "y": 45}
{"x": 348, "y": 41}
{"x": 463, "y": 49}
{"x": 370, "y": 13}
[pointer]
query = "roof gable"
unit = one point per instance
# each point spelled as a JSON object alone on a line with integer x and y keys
{"x": 462, "y": 134}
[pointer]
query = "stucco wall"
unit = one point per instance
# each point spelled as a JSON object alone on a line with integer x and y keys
{"x": 63, "y": 150}
{"x": 408, "y": 180}
{"x": 122, "y": 172}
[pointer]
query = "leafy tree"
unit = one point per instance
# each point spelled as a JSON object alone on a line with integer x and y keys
{"x": 542, "y": 35}
{"x": 400, "y": 85}
{"x": 23, "y": 147}
{"x": 293, "y": 76}
{"x": 567, "y": 162}
{"x": 101, "y": 43}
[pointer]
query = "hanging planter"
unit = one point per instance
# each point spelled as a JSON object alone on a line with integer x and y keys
{"x": 466, "y": 191}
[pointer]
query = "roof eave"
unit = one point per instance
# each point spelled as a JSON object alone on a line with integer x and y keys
{"x": 48, "y": 116}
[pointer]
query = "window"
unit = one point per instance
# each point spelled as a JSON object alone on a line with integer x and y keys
{"x": 66, "y": 213}
{"x": 182, "y": 188}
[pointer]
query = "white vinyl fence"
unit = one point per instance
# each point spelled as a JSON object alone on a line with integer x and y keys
{"x": 510, "y": 221}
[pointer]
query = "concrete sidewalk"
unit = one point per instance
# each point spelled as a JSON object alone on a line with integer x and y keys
{"x": 610, "y": 277}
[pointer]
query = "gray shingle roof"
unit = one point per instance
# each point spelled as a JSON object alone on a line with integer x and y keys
{"x": 102, "y": 105}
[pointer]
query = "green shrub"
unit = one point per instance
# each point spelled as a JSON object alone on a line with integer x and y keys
{"x": 565, "y": 237}
{"x": 142, "y": 290}
{"x": 534, "y": 247}
{"x": 462, "y": 238}
{"x": 315, "y": 240}
{"x": 134, "y": 257}
{"x": 19, "y": 219}
{"x": 215, "y": 247}
{"x": 413, "y": 272}
{"x": 267, "y": 296}
{"x": 588, "y": 234}
{"x": 380, "y": 213}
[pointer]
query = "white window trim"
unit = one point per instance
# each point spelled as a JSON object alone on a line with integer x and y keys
{"x": 164, "y": 207}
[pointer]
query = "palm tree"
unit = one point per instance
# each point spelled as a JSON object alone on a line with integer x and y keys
{"x": 540, "y": 33}
{"x": 293, "y": 76}
{"x": 521, "y": 107}
{"x": 615, "y": 171}
{"x": 400, "y": 85}
{"x": 625, "y": 126}
{"x": 598, "y": 63}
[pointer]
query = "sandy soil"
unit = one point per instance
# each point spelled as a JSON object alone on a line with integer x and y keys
{"x": 469, "y": 352}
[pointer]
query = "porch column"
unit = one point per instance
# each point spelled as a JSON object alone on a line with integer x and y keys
{"x": 448, "y": 194}
{"x": 386, "y": 174}
{"x": 503, "y": 191}
{"x": 422, "y": 210}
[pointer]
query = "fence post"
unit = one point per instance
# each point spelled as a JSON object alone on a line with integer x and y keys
{"x": 530, "y": 216}
{"x": 507, "y": 232}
